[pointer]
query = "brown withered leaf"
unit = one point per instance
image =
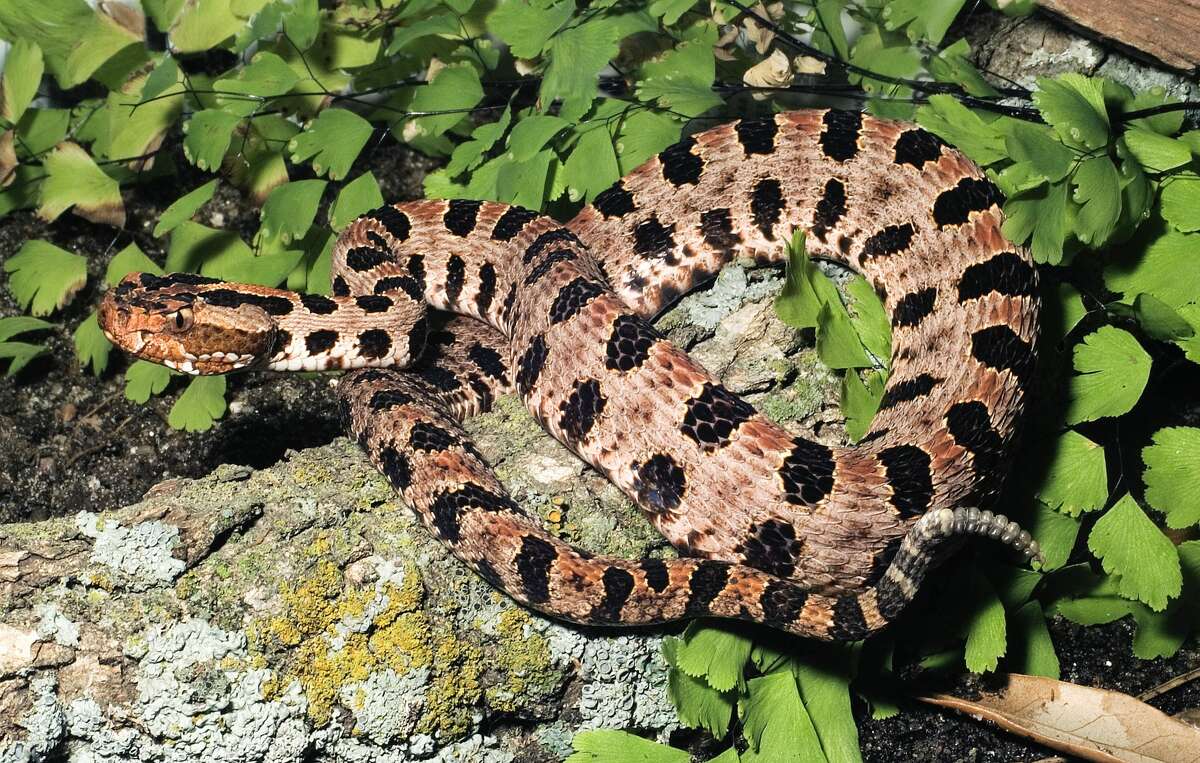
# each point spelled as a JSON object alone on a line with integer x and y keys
{"x": 1092, "y": 724}
{"x": 8, "y": 158}
{"x": 126, "y": 16}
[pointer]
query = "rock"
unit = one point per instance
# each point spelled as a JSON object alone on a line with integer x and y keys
{"x": 1161, "y": 30}
{"x": 1020, "y": 50}
{"x": 263, "y": 615}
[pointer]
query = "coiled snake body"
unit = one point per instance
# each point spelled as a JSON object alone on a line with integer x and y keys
{"x": 822, "y": 542}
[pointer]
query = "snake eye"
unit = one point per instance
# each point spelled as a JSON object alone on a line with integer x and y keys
{"x": 181, "y": 319}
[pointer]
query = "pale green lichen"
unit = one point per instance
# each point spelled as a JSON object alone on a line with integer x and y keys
{"x": 732, "y": 288}
{"x": 623, "y": 678}
{"x": 386, "y": 705}
{"x": 54, "y": 626}
{"x": 46, "y": 722}
{"x": 140, "y": 554}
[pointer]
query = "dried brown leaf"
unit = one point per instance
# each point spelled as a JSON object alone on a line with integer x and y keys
{"x": 1092, "y": 724}
{"x": 773, "y": 71}
{"x": 8, "y": 158}
{"x": 126, "y": 16}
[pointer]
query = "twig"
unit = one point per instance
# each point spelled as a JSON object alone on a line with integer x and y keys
{"x": 108, "y": 440}
{"x": 1169, "y": 684}
{"x": 100, "y": 406}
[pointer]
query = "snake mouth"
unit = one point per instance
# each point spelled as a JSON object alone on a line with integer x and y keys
{"x": 209, "y": 364}
{"x": 132, "y": 341}
{"x": 135, "y": 340}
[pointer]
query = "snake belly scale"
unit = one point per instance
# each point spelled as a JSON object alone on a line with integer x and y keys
{"x": 822, "y": 542}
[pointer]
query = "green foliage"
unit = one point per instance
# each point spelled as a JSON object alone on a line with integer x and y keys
{"x": 698, "y": 703}
{"x": 610, "y": 746}
{"x": 845, "y": 340}
{"x": 824, "y": 680}
{"x": 1082, "y": 596}
{"x": 1078, "y": 183}
{"x": 357, "y": 197}
{"x": 91, "y": 347}
{"x": 202, "y": 403}
{"x": 74, "y": 180}
{"x": 18, "y": 354}
{"x": 1076, "y": 475}
{"x": 778, "y": 726}
{"x": 1112, "y": 372}
{"x": 509, "y": 95}
{"x": 798, "y": 708}
{"x": 145, "y": 379}
{"x": 209, "y": 133}
{"x": 43, "y": 277}
{"x": 681, "y": 79}
{"x": 184, "y": 207}
{"x": 1074, "y": 106}
{"x": 452, "y": 92}
{"x": 22, "y": 72}
{"x": 1133, "y": 548}
{"x": 1032, "y": 652}
{"x": 332, "y": 142}
{"x": 987, "y": 632}
{"x": 527, "y": 28}
{"x": 1055, "y": 532}
{"x": 1172, "y": 463}
{"x": 290, "y": 210}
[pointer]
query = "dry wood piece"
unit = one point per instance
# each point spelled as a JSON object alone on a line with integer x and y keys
{"x": 1092, "y": 724}
{"x": 1165, "y": 30}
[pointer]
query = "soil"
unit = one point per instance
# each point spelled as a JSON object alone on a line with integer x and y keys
{"x": 70, "y": 442}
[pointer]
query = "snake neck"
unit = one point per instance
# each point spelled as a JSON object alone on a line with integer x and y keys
{"x": 322, "y": 333}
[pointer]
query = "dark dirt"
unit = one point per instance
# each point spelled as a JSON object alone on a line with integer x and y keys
{"x": 70, "y": 441}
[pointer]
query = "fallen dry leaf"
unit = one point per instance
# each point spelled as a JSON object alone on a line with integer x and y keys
{"x": 1093, "y": 724}
{"x": 773, "y": 71}
{"x": 8, "y": 158}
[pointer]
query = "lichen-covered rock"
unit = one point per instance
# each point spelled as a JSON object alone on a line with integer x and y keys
{"x": 1020, "y": 50}
{"x": 265, "y": 615}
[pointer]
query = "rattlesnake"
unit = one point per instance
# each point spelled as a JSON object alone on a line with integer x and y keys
{"x": 822, "y": 542}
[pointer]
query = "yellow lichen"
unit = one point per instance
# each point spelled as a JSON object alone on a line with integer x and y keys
{"x": 455, "y": 691}
{"x": 319, "y": 547}
{"x": 185, "y": 587}
{"x": 99, "y": 579}
{"x": 271, "y": 688}
{"x": 523, "y": 662}
{"x": 399, "y": 637}
{"x": 309, "y": 474}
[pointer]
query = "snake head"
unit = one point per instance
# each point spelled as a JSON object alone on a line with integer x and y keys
{"x": 190, "y": 323}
